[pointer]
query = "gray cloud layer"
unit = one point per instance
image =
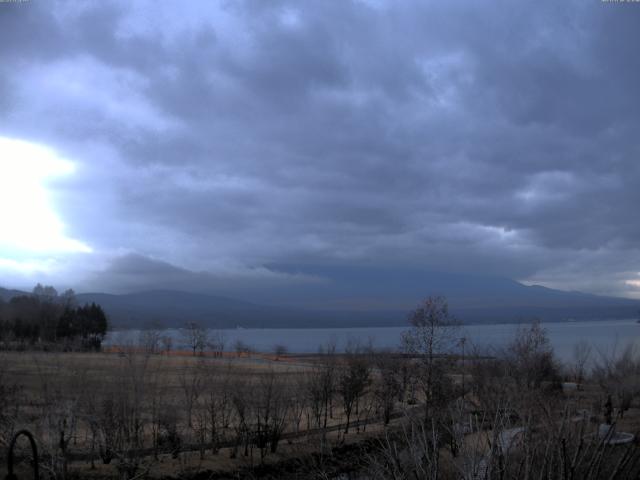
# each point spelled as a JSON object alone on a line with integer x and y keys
{"x": 229, "y": 138}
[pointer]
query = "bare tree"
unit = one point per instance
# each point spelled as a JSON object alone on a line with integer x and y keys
{"x": 411, "y": 453}
{"x": 219, "y": 406}
{"x": 149, "y": 338}
{"x": 167, "y": 343}
{"x": 241, "y": 348}
{"x": 432, "y": 335}
{"x": 269, "y": 407}
{"x": 315, "y": 382}
{"x": 279, "y": 350}
{"x": 68, "y": 299}
{"x": 618, "y": 374}
{"x": 195, "y": 336}
{"x": 353, "y": 379}
{"x": 240, "y": 401}
{"x": 321, "y": 387}
{"x": 216, "y": 343}
{"x": 387, "y": 385}
{"x": 531, "y": 357}
{"x": 120, "y": 415}
{"x": 299, "y": 401}
{"x": 192, "y": 383}
{"x": 60, "y": 403}
{"x": 581, "y": 356}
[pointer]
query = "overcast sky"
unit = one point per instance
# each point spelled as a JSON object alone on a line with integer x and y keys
{"x": 186, "y": 144}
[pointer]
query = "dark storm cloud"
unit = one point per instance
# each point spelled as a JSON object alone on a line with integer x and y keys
{"x": 440, "y": 135}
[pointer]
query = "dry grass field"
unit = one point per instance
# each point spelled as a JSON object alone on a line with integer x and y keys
{"x": 128, "y": 414}
{"x": 179, "y": 413}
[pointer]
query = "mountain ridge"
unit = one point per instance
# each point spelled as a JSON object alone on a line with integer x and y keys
{"x": 472, "y": 299}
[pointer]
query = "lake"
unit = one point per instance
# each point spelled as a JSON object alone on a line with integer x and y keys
{"x": 604, "y": 336}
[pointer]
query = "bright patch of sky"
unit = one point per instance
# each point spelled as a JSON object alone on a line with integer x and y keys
{"x": 31, "y": 227}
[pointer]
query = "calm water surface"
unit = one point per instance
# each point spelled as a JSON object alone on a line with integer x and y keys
{"x": 604, "y": 336}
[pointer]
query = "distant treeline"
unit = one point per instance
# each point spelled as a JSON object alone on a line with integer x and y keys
{"x": 45, "y": 319}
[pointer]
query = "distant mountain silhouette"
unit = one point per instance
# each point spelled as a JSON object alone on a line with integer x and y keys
{"x": 175, "y": 308}
{"x": 7, "y": 294}
{"x": 361, "y": 298}
{"x": 356, "y": 287}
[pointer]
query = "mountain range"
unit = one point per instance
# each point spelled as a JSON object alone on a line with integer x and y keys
{"x": 359, "y": 300}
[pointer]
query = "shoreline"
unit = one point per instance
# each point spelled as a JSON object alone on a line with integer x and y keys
{"x": 347, "y": 327}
